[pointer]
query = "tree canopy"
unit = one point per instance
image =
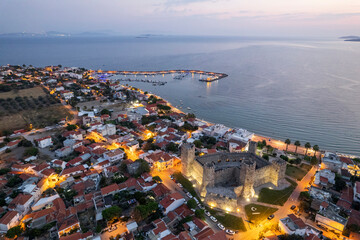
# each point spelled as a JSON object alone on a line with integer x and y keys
{"x": 112, "y": 213}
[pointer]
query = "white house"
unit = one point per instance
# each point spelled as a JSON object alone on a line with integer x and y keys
{"x": 114, "y": 155}
{"x": 325, "y": 173}
{"x": 292, "y": 225}
{"x": 108, "y": 129}
{"x": 9, "y": 220}
{"x": 172, "y": 202}
{"x": 44, "y": 142}
{"x": 160, "y": 231}
{"x": 67, "y": 94}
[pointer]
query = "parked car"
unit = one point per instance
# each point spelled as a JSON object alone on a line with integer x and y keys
{"x": 207, "y": 213}
{"x": 271, "y": 217}
{"x": 292, "y": 207}
{"x": 221, "y": 226}
{"x": 230, "y": 232}
{"x": 196, "y": 200}
{"x": 213, "y": 219}
{"x": 179, "y": 184}
{"x": 189, "y": 195}
{"x": 201, "y": 206}
{"x": 171, "y": 177}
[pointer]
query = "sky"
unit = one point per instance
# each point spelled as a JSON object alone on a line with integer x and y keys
{"x": 321, "y": 18}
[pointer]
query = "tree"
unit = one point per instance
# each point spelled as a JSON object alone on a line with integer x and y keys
{"x": 25, "y": 143}
{"x": 307, "y": 146}
{"x": 297, "y": 144}
{"x": 157, "y": 179}
{"x": 112, "y": 213}
{"x": 191, "y": 203}
{"x": 313, "y": 161}
{"x": 4, "y": 171}
{"x": 32, "y": 151}
{"x": 199, "y": 213}
{"x": 105, "y": 111}
{"x": 340, "y": 184}
{"x": 144, "y": 167}
{"x": 14, "y": 232}
{"x": 287, "y": 142}
{"x": 172, "y": 147}
{"x": 13, "y": 181}
{"x": 71, "y": 127}
{"x": 143, "y": 211}
{"x": 198, "y": 143}
{"x": 316, "y": 148}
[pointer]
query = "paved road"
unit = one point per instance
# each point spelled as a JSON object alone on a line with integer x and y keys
{"x": 253, "y": 231}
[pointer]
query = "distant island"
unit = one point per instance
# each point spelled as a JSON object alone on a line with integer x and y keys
{"x": 351, "y": 38}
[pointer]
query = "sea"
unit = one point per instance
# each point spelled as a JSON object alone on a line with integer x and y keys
{"x": 301, "y": 89}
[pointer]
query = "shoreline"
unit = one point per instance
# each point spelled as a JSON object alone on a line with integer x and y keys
{"x": 276, "y": 143}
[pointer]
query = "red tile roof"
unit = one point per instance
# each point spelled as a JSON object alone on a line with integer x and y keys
{"x": 160, "y": 190}
{"x": 109, "y": 189}
{"x": 21, "y": 199}
{"x": 73, "y": 169}
{"x": 73, "y": 220}
{"x": 160, "y": 226}
{"x": 297, "y": 221}
{"x": 6, "y": 219}
{"x": 168, "y": 200}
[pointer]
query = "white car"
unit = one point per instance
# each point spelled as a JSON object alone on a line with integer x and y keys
{"x": 213, "y": 219}
{"x": 179, "y": 184}
{"x": 230, "y": 232}
{"x": 201, "y": 206}
{"x": 197, "y": 201}
{"x": 189, "y": 195}
{"x": 207, "y": 213}
{"x": 221, "y": 226}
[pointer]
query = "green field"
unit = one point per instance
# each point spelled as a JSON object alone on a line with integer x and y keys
{"x": 263, "y": 211}
{"x": 231, "y": 222}
{"x": 295, "y": 172}
{"x": 307, "y": 167}
{"x": 276, "y": 197}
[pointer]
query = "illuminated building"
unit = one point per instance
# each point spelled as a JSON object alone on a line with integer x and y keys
{"x": 226, "y": 178}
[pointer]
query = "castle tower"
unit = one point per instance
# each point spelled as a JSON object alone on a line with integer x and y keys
{"x": 247, "y": 178}
{"x": 187, "y": 158}
{"x": 278, "y": 173}
{"x": 252, "y": 147}
{"x": 208, "y": 178}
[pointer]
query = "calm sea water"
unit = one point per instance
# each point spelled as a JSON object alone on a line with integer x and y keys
{"x": 307, "y": 90}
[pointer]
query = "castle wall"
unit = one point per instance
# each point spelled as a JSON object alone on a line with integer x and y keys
{"x": 264, "y": 175}
{"x": 225, "y": 175}
{"x": 196, "y": 172}
{"x": 224, "y": 203}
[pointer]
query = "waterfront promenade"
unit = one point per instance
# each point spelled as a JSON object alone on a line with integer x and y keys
{"x": 282, "y": 146}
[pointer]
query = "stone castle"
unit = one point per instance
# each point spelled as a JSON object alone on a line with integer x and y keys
{"x": 223, "y": 180}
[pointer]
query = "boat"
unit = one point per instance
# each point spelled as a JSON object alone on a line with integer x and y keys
{"x": 188, "y": 108}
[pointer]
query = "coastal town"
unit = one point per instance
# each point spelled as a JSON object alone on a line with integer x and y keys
{"x": 86, "y": 156}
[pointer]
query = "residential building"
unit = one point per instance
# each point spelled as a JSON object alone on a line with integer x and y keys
{"x": 44, "y": 142}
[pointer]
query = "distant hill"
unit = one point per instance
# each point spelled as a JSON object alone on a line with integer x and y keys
{"x": 56, "y": 34}
{"x": 351, "y": 38}
{"x": 27, "y": 35}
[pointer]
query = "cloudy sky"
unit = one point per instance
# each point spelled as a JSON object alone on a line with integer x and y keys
{"x": 184, "y": 17}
